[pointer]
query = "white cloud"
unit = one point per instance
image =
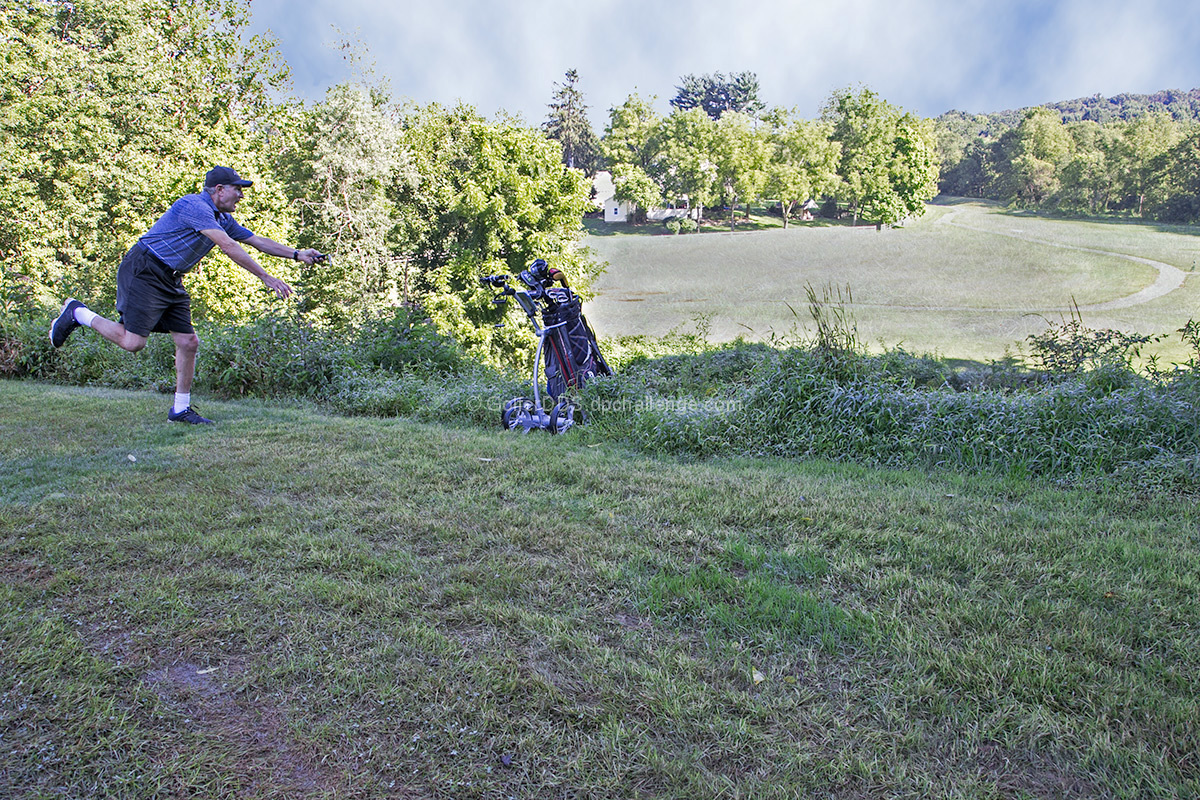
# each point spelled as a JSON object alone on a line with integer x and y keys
{"x": 925, "y": 55}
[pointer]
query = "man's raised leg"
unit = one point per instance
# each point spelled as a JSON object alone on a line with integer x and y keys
{"x": 115, "y": 332}
{"x": 75, "y": 314}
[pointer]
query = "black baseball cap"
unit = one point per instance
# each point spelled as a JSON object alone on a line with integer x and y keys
{"x": 225, "y": 176}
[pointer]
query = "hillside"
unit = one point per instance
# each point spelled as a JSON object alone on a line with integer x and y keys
{"x": 1132, "y": 155}
{"x": 1183, "y": 106}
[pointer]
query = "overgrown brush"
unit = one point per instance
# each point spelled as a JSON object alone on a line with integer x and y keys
{"x": 1099, "y": 422}
{"x": 1090, "y": 418}
{"x": 271, "y": 357}
{"x": 1070, "y": 347}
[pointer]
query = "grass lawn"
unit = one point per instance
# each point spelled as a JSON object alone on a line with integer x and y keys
{"x": 294, "y": 605}
{"x": 967, "y": 280}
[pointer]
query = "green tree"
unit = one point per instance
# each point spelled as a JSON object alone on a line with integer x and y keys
{"x": 690, "y": 169}
{"x": 1039, "y": 148}
{"x": 1088, "y": 156}
{"x": 889, "y": 158}
{"x": 973, "y": 171}
{"x": 345, "y": 163}
{"x": 803, "y": 161}
{"x": 568, "y": 124}
{"x": 717, "y": 93}
{"x": 957, "y": 131}
{"x": 1177, "y": 180}
{"x": 478, "y": 197}
{"x": 1087, "y": 177}
{"x": 914, "y": 167}
{"x": 632, "y": 146}
{"x": 633, "y": 186}
{"x": 1144, "y": 142}
{"x": 110, "y": 110}
{"x": 863, "y": 125}
{"x": 739, "y": 152}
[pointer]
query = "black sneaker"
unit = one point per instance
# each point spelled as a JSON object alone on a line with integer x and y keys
{"x": 64, "y": 323}
{"x": 187, "y": 415}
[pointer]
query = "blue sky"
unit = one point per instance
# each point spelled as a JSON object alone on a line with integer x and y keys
{"x": 926, "y": 56}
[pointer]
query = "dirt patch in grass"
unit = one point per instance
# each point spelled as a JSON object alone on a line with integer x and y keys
{"x": 256, "y": 731}
{"x": 26, "y": 574}
{"x": 633, "y": 621}
{"x": 1015, "y": 773}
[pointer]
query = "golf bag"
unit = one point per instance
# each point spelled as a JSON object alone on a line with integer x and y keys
{"x": 567, "y": 351}
{"x": 572, "y": 355}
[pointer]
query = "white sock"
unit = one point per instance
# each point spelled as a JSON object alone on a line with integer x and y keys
{"x": 182, "y": 401}
{"x": 84, "y": 316}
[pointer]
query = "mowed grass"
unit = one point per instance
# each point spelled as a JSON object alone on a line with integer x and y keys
{"x": 295, "y": 605}
{"x": 967, "y": 280}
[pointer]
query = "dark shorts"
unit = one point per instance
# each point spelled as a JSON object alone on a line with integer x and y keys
{"x": 150, "y": 295}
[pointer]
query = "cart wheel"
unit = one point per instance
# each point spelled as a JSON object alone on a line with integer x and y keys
{"x": 564, "y": 416}
{"x": 517, "y": 414}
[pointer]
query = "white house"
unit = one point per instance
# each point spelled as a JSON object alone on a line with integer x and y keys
{"x": 620, "y": 210}
{"x": 614, "y": 210}
{"x": 617, "y": 210}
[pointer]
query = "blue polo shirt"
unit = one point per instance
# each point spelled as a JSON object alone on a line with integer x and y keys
{"x": 176, "y": 240}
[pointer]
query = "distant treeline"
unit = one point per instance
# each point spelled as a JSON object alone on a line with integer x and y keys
{"x": 1136, "y": 154}
{"x": 1180, "y": 106}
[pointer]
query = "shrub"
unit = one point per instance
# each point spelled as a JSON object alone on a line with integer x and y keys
{"x": 272, "y": 356}
{"x": 1070, "y": 347}
{"x": 25, "y": 351}
{"x": 269, "y": 357}
{"x": 899, "y": 410}
{"x": 401, "y": 340}
{"x": 24, "y": 347}
{"x": 1190, "y": 335}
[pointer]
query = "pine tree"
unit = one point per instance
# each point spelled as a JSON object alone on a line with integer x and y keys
{"x": 718, "y": 93}
{"x": 568, "y": 124}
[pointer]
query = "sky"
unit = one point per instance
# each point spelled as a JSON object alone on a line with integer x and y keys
{"x": 925, "y": 56}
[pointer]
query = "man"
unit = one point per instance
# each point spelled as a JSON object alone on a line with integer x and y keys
{"x": 150, "y": 293}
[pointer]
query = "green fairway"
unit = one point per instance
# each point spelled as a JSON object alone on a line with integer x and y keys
{"x": 967, "y": 280}
{"x": 291, "y": 605}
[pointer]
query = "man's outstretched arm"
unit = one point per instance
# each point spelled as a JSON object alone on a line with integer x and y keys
{"x": 243, "y": 259}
